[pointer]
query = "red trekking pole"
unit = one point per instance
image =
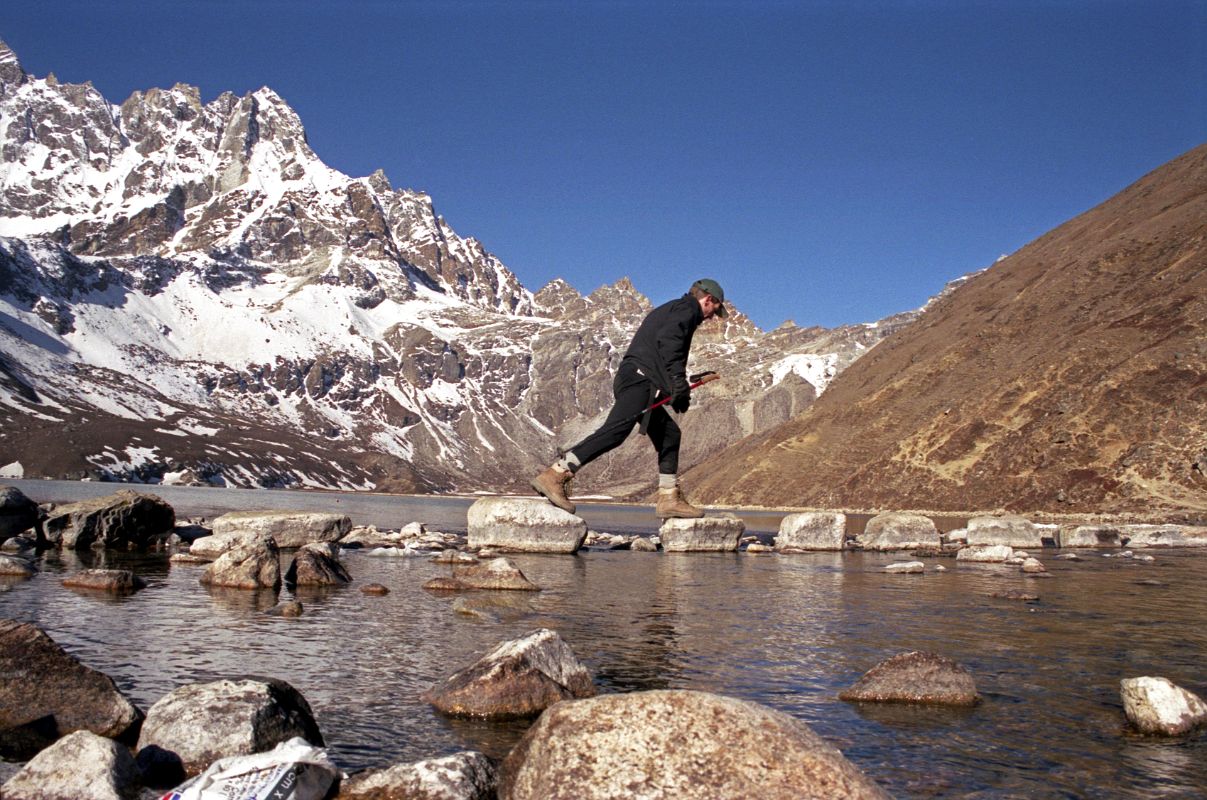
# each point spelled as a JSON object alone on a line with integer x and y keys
{"x": 695, "y": 382}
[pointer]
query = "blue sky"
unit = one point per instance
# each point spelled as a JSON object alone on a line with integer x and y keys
{"x": 827, "y": 162}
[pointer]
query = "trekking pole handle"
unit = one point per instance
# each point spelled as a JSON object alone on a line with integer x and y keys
{"x": 697, "y": 381}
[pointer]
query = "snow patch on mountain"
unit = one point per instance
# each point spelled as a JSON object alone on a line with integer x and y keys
{"x": 818, "y": 370}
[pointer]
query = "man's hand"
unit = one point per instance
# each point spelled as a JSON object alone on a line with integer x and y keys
{"x": 682, "y": 401}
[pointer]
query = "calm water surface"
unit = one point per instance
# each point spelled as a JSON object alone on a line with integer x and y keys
{"x": 787, "y": 631}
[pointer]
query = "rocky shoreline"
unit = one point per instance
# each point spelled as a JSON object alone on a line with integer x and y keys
{"x": 530, "y": 677}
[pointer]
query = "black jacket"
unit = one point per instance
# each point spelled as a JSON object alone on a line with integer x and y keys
{"x": 659, "y": 348}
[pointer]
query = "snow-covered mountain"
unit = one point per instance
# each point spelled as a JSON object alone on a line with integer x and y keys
{"x": 187, "y": 290}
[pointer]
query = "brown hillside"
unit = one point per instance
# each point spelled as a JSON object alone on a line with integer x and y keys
{"x": 1070, "y": 377}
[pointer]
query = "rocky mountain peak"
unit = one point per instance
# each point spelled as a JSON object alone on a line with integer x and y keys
{"x": 12, "y": 74}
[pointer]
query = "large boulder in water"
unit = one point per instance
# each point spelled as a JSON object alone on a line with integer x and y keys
{"x": 288, "y": 529}
{"x": 916, "y": 677}
{"x": 126, "y": 519}
{"x": 1010, "y": 531}
{"x": 462, "y": 776}
{"x": 46, "y": 693}
{"x": 812, "y": 530}
{"x": 702, "y": 535}
{"x": 194, "y": 725}
{"x": 17, "y": 512}
{"x": 80, "y": 766}
{"x": 519, "y": 678}
{"x": 252, "y": 566}
{"x": 676, "y": 745}
{"x": 900, "y": 531}
{"x": 524, "y": 525}
{"x": 1159, "y": 706}
{"x": 317, "y": 565}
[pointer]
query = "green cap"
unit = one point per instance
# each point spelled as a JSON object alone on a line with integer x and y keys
{"x": 713, "y": 288}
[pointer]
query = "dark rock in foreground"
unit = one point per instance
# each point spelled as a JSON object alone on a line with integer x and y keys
{"x": 915, "y": 677}
{"x": 519, "y": 678}
{"x": 80, "y": 766}
{"x": 195, "y": 725}
{"x": 126, "y": 519}
{"x": 46, "y": 693}
{"x": 676, "y": 745}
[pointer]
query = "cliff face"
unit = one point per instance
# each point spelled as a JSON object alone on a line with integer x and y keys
{"x": 1069, "y": 377}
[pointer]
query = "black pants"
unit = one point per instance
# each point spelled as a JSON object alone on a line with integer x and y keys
{"x": 634, "y": 393}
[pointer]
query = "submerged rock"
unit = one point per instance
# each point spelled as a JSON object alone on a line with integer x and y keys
{"x": 117, "y": 581}
{"x": 899, "y": 531}
{"x": 519, "y": 678}
{"x": 676, "y": 745}
{"x": 46, "y": 693}
{"x": 194, "y": 725}
{"x": 498, "y": 573}
{"x": 814, "y": 530}
{"x": 643, "y": 545}
{"x": 466, "y": 775}
{"x": 1015, "y": 594}
{"x": 915, "y": 677}
{"x": 1159, "y": 706}
{"x": 907, "y": 567}
{"x": 375, "y": 589}
{"x": 290, "y": 608}
{"x": 704, "y": 534}
{"x": 524, "y": 525}
{"x": 80, "y": 766}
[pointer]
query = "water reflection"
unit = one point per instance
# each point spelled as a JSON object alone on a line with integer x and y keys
{"x": 788, "y": 631}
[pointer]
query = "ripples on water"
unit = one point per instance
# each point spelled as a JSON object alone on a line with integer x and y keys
{"x": 787, "y": 631}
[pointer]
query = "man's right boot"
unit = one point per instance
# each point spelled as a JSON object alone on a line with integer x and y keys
{"x": 672, "y": 504}
{"x": 552, "y": 483}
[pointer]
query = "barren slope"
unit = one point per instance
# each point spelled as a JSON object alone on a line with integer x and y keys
{"x": 1070, "y": 377}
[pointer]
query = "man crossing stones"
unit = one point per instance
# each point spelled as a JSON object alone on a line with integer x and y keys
{"x": 654, "y": 367}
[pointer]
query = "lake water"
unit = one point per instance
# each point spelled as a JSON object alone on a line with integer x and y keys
{"x": 786, "y": 631}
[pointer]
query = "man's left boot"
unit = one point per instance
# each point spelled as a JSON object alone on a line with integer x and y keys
{"x": 672, "y": 504}
{"x": 552, "y": 483}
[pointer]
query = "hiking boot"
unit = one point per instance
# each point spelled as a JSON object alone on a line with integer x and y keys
{"x": 552, "y": 483}
{"x": 672, "y": 504}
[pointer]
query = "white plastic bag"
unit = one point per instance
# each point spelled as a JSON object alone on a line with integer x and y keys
{"x": 293, "y": 770}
